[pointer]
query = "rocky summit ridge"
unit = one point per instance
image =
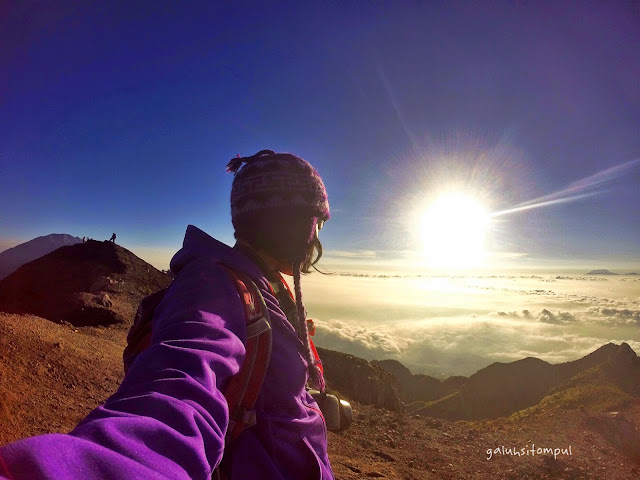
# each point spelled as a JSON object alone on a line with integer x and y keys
{"x": 85, "y": 284}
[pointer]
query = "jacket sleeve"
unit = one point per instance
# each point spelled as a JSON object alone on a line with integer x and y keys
{"x": 168, "y": 418}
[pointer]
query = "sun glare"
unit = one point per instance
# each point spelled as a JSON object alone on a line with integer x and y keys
{"x": 452, "y": 230}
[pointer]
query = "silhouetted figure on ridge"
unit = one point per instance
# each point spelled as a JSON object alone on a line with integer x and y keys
{"x": 113, "y": 238}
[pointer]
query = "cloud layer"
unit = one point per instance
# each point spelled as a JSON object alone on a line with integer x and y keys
{"x": 457, "y": 325}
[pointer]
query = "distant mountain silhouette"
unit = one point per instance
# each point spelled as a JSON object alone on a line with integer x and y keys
{"x": 611, "y": 383}
{"x": 504, "y": 388}
{"x": 601, "y": 272}
{"x": 359, "y": 380}
{"x": 420, "y": 387}
{"x": 92, "y": 283}
{"x": 13, "y": 258}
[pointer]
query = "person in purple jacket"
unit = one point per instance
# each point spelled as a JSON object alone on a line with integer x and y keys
{"x": 168, "y": 418}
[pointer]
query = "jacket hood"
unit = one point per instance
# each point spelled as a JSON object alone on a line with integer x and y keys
{"x": 199, "y": 244}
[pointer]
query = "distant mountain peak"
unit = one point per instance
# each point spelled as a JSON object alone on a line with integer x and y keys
{"x": 601, "y": 272}
{"x": 611, "y": 348}
{"x": 14, "y": 257}
{"x": 394, "y": 367}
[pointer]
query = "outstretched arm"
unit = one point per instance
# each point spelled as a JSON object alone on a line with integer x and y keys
{"x": 169, "y": 417}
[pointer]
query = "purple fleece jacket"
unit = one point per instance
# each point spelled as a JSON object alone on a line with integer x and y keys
{"x": 168, "y": 418}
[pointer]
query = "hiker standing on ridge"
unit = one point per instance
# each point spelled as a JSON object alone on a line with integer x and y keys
{"x": 168, "y": 418}
{"x": 113, "y": 238}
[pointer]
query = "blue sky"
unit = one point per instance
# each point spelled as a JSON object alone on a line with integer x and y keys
{"x": 121, "y": 116}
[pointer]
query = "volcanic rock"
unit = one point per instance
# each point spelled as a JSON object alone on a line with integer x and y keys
{"x": 70, "y": 285}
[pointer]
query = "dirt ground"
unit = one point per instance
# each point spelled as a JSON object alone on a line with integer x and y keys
{"x": 52, "y": 375}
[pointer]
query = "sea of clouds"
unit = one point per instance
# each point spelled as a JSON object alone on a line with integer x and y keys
{"x": 455, "y": 325}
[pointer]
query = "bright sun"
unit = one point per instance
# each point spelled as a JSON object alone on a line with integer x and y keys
{"x": 452, "y": 230}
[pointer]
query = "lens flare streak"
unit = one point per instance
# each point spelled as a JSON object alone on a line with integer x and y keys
{"x": 581, "y": 189}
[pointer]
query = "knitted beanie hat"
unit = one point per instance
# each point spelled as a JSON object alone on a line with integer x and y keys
{"x": 272, "y": 180}
{"x": 276, "y": 201}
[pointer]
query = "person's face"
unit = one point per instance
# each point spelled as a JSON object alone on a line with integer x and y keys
{"x": 286, "y": 267}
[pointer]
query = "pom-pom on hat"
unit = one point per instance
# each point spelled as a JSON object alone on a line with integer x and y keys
{"x": 270, "y": 180}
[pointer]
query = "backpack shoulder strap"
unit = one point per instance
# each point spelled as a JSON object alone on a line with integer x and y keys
{"x": 244, "y": 387}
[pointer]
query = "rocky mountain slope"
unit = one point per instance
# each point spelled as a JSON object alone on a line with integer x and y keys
{"x": 92, "y": 283}
{"x": 13, "y": 258}
{"x": 52, "y": 375}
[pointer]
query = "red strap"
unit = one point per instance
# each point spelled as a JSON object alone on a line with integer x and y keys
{"x": 244, "y": 387}
{"x": 282, "y": 280}
{"x": 316, "y": 356}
